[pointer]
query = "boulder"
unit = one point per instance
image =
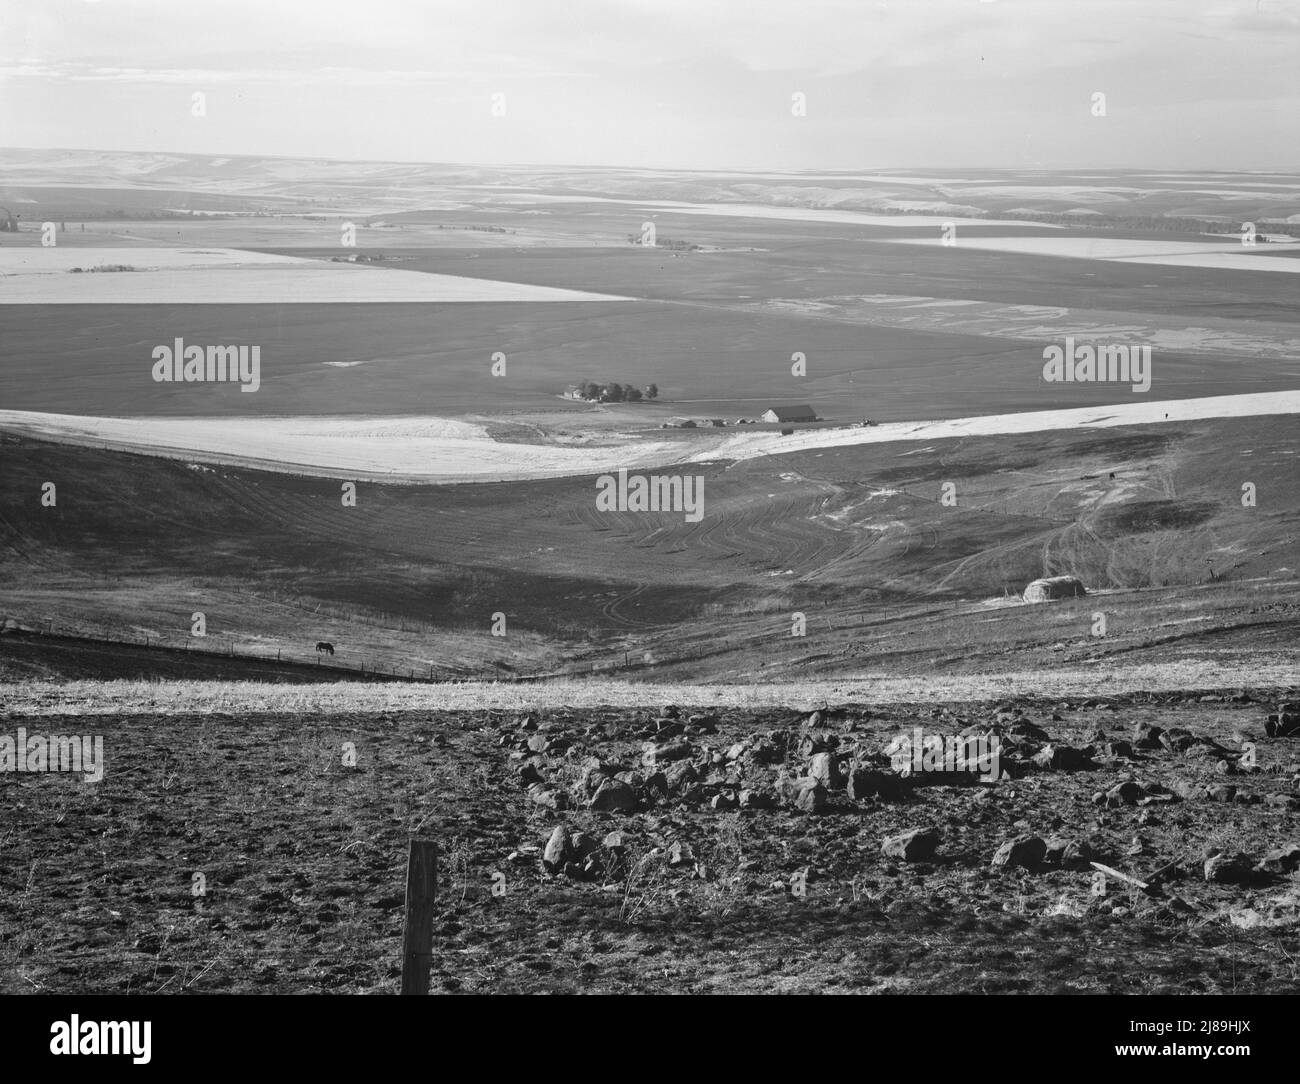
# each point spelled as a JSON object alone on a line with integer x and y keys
{"x": 1146, "y": 736}
{"x": 810, "y": 798}
{"x": 1061, "y": 758}
{"x": 870, "y": 783}
{"x": 918, "y": 845}
{"x": 824, "y": 768}
{"x": 665, "y": 753}
{"x": 550, "y": 799}
{"x": 680, "y": 854}
{"x": 1281, "y": 860}
{"x": 1125, "y": 793}
{"x": 614, "y": 796}
{"x": 557, "y": 849}
{"x": 1227, "y": 868}
{"x": 680, "y": 775}
{"x": 1026, "y": 852}
{"x": 1284, "y": 723}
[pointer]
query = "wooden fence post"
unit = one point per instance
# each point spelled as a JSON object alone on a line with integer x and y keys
{"x": 417, "y": 927}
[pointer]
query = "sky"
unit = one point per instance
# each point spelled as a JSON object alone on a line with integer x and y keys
{"x": 674, "y": 84}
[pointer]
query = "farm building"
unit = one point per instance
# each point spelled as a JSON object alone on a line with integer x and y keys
{"x": 1053, "y": 587}
{"x": 789, "y": 414}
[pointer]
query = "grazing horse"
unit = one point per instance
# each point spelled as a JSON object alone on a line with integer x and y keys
{"x": 323, "y": 646}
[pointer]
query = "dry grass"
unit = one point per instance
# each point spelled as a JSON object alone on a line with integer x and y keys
{"x": 229, "y": 697}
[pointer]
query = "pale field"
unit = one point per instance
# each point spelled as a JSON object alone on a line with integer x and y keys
{"x": 436, "y": 450}
{"x": 231, "y": 697}
{"x": 231, "y": 277}
{"x": 820, "y": 214}
{"x": 1221, "y": 257}
{"x": 1040, "y": 323}
{"x": 61, "y": 259}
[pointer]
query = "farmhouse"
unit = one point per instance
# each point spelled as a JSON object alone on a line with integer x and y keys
{"x": 789, "y": 414}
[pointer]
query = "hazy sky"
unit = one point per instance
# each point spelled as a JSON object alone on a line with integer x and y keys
{"x": 671, "y": 83}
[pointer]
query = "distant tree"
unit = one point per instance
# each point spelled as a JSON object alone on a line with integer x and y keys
{"x": 631, "y": 394}
{"x": 612, "y": 393}
{"x": 652, "y": 392}
{"x": 590, "y": 389}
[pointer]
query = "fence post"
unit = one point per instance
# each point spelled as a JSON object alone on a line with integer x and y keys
{"x": 417, "y": 927}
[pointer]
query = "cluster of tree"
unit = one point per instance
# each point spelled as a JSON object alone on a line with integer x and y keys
{"x": 616, "y": 393}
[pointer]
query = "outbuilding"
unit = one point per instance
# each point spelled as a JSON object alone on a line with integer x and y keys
{"x": 1054, "y": 587}
{"x": 801, "y": 413}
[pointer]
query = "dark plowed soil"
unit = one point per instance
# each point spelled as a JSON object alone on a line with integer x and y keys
{"x": 302, "y": 858}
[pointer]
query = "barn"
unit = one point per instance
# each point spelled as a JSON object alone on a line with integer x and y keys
{"x": 1053, "y": 587}
{"x": 802, "y": 413}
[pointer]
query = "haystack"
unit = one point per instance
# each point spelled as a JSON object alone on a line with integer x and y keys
{"x": 1052, "y": 587}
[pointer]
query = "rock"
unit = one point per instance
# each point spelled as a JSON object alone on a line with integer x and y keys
{"x": 680, "y": 775}
{"x": 869, "y": 783}
{"x": 539, "y": 743}
{"x": 705, "y": 724}
{"x": 918, "y": 845}
{"x": 656, "y": 783}
{"x": 736, "y": 751}
{"x": 754, "y": 799}
{"x": 1061, "y": 758}
{"x": 1026, "y": 852}
{"x": 1022, "y": 728}
{"x": 582, "y": 846}
{"x": 557, "y": 849}
{"x": 1126, "y": 793}
{"x": 1223, "y": 792}
{"x": 614, "y": 796}
{"x": 616, "y": 841}
{"x": 665, "y": 753}
{"x": 1079, "y": 852}
{"x": 595, "y": 772}
{"x": 722, "y": 802}
{"x": 1282, "y": 860}
{"x": 1189, "y": 791}
{"x": 826, "y": 770}
{"x": 819, "y": 742}
{"x": 528, "y": 773}
{"x": 1230, "y": 869}
{"x": 551, "y": 799}
{"x": 1156, "y": 792}
{"x": 764, "y": 751}
{"x": 1284, "y": 723}
{"x": 680, "y": 854}
{"x": 1146, "y": 736}
{"x": 1282, "y": 801}
{"x": 810, "y": 797}
{"x": 1070, "y": 853}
